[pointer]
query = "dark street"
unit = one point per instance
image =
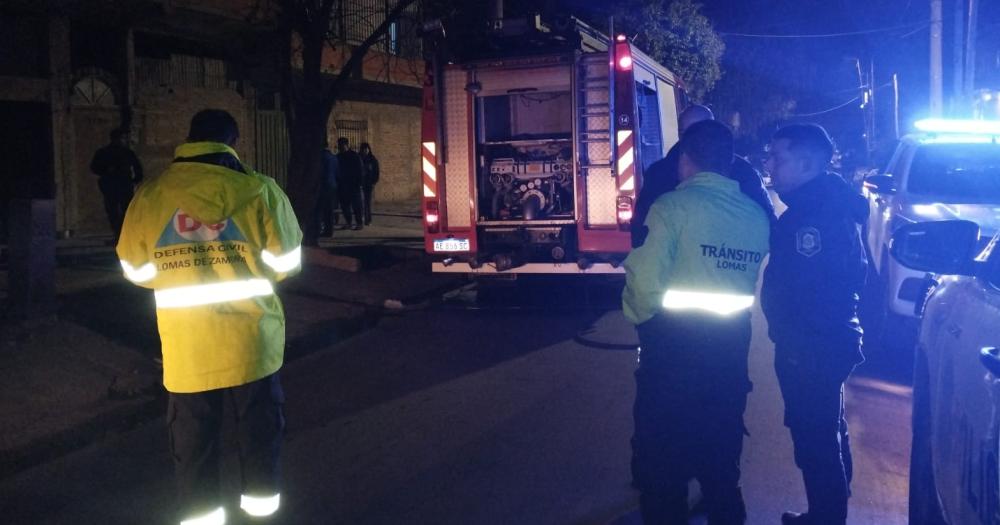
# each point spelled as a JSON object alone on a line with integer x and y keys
{"x": 474, "y": 411}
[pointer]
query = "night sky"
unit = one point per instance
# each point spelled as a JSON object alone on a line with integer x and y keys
{"x": 823, "y": 71}
{"x": 886, "y": 36}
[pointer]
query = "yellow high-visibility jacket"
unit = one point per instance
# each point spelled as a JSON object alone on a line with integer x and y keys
{"x": 211, "y": 241}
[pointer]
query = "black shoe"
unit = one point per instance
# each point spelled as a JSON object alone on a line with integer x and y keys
{"x": 356, "y": 227}
{"x": 795, "y": 518}
{"x": 326, "y": 233}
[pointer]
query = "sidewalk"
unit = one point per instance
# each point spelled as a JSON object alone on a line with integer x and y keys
{"x": 94, "y": 368}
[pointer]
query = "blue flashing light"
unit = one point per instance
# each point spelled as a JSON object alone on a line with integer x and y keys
{"x": 960, "y": 138}
{"x": 973, "y": 127}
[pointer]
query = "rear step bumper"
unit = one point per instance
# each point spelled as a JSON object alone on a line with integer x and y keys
{"x": 560, "y": 268}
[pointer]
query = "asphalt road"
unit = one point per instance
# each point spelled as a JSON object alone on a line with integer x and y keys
{"x": 475, "y": 412}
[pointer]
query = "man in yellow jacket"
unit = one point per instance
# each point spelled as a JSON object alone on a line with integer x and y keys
{"x": 210, "y": 237}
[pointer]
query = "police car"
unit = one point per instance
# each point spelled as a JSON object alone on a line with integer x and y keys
{"x": 949, "y": 170}
{"x": 954, "y": 476}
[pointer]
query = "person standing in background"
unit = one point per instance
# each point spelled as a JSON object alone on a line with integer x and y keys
{"x": 119, "y": 170}
{"x": 369, "y": 180}
{"x": 327, "y": 192}
{"x": 349, "y": 175}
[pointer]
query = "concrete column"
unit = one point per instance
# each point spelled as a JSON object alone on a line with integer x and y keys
{"x": 32, "y": 258}
{"x": 63, "y": 165}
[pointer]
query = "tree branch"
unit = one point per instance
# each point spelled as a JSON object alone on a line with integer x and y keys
{"x": 358, "y": 54}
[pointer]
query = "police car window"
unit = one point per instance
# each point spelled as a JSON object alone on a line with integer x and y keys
{"x": 956, "y": 173}
{"x": 893, "y": 162}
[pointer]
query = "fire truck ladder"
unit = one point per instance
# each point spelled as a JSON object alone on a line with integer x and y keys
{"x": 594, "y": 144}
{"x": 594, "y": 107}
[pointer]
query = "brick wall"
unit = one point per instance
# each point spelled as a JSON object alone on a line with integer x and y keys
{"x": 394, "y": 134}
{"x": 160, "y": 122}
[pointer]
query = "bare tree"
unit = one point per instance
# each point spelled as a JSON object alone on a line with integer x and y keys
{"x": 309, "y": 27}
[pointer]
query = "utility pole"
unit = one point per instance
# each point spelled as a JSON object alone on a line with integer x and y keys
{"x": 958, "y": 59}
{"x": 970, "y": 52}
{"x": 895, "y": 104}
{"x": 937, "y": 80}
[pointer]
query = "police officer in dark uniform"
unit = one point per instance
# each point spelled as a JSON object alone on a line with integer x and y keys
{"x": 810, "y": 297}
{"x": 661, "y": 177}
{"x": 689, "y": 289}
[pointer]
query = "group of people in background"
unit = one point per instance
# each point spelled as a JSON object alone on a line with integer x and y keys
{"x": 348, "y": 183}
{"x": 349, "y": 179}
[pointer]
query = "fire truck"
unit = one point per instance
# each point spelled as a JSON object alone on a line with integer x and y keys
{"x": 533, "y": 156}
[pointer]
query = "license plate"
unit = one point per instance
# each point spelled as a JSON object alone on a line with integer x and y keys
{"x": 451, "y": 245}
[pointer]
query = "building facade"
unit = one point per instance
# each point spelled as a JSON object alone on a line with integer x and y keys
{"x": 68, "y": 77}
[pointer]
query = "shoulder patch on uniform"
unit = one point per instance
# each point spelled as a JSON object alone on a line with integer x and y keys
{"x": 807, "y": 241}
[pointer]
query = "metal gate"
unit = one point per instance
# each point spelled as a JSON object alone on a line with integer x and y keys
{"x": 272, "y": 146}
{"x": 356, "y": 132}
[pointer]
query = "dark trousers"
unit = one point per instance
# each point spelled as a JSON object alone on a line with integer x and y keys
{"x": 691, "y": 391}
{"x": 195, "y": 427}
{"x": 117, "y": 197}
{"x": 324, "y": 210}
{"x": 813, "y": 389}
{"x": 367, "y": 192}
{"x": 351, "y": 204}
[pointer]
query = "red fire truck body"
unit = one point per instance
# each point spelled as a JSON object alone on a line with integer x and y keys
{"x": 532, "y": 163}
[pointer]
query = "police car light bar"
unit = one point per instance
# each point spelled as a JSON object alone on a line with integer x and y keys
{"x": 976, "y": 127}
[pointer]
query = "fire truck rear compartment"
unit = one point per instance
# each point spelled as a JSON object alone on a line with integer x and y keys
{"x": 524, "y": 147}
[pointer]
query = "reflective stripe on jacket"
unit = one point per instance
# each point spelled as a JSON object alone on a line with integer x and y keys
{"x": 703, "y": 250}
{"x": 211, "y": 241}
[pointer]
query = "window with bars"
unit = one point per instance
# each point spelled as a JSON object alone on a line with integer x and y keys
{"x": 356, "y": 132}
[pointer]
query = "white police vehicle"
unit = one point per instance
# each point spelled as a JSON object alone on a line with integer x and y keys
{"x": 954, "y": 475}
{"x": 949, "y": 170}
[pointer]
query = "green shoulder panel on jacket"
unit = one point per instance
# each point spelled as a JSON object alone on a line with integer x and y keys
{"x": 704, "y": 237}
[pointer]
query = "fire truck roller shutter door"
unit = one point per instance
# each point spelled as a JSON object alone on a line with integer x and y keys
{"x": 456, "y": 168}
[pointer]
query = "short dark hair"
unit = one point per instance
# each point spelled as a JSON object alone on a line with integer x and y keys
{"x": 807, "y": 139}
{"x": 343, "y": 140}
{"x": 213, "y": 125}
{"x": 709, "y": 145}
{"x": 116, "y": 134}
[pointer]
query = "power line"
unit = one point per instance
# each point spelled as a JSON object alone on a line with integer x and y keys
{"x": 828, "y": 35}
{"x": 835, "y": 108}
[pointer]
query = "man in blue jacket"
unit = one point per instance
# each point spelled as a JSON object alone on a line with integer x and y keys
{"x": 810, "y": 297}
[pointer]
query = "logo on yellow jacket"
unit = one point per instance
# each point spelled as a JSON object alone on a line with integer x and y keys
{"x": 185, "y": 229}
